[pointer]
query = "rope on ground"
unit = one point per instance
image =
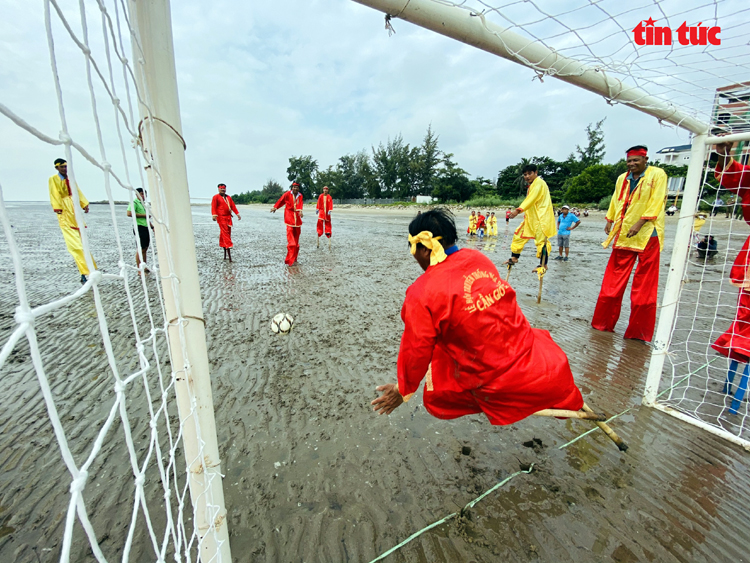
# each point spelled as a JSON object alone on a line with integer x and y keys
{"x": 531, "y": 467}
{"x": 453, "y": 515}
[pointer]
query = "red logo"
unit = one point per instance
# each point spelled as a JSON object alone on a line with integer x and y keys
{"x": 649, "y": 34}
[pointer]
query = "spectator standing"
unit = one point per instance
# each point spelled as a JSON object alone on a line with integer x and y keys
{"x": 566, "y": 222}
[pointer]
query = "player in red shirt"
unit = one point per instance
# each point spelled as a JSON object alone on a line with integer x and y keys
{"x": 464, "y": 331}
{"x": 481, "y": 225}
{"x": 325, "y": 204}
{"x": 222, "y": 207}
{"x": 292, "y": 202}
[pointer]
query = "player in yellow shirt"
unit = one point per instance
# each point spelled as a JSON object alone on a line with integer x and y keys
{"x": 538, "y": 222}
{"x": 61, "y": 198}
{"x": 492, "y": 225}
{"x": 472, "y": 230}
{"x": 635, "y": 227}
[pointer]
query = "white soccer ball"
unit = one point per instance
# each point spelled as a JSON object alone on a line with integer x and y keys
{"x": 282, "y": 323}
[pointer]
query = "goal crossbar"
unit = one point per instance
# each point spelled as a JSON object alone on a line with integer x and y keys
{"x": 474, "y": 29}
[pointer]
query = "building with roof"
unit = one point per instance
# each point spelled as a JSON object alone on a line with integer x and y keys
{"x": 676, "y": 156}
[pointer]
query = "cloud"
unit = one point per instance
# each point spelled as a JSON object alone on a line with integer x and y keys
{"x": 262, "y": 81}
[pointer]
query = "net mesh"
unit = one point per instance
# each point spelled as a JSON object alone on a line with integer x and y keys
{"x": 94, "y": 362}
{"x": 600, "y": 34}
{"x": 700, "y": 382}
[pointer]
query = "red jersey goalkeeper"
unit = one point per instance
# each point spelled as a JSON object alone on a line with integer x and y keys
{"x": 464, "y": 332}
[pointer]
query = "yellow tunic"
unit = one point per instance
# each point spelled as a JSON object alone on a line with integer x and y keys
{"x": 645, "y": 202}
{"x": 538, "y": 221}
{"x": 61, "y": 200}
{"x": 472, "y": 224}
{"x": 492, "y": 223}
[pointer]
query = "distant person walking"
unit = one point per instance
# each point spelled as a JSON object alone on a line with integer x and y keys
{"x": 222, "y": 207}
{"x": 325, "y": 204}
{"x": 61, "y": 198}
{"x": 566, "y": 222}
{"x": 141, "y": 220}
{"x": 635, "y": 228}
{"x": 507, "y": 215}
{"x": 292, "y": 202}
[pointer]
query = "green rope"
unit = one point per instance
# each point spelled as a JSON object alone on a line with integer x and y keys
{"x": 501, "y": 483}
{"x": 444, "y": 520}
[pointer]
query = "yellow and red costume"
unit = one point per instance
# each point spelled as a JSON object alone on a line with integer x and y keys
{"x": 222, "y": 208}
{"x": 735, "y": 342}
{"x": 645, "y": 200}
{"x": 61, "y": 198}
{"x": 492, "y": 225}
{"x": 472, "y": 230}
{"x": 325, "y": 204}
{"x": 538, "y": 219}
{"x": 464, "y": 330}
{"x": 480, "y": 222}
{"x": 293, "y": 221}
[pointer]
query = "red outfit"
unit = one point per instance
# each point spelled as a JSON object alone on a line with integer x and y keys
{"x": 480, "y": 222}
{"x": 735, "y": 342}
{"x": 293, "y": 222}
{"x": 642, "y": 292}
{"x": 222, "y": 208}
{"x": 462, "y": 321}
{"x": 325, "y": 204}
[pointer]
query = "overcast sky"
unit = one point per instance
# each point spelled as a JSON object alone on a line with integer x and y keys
{"x": 262, "y": 81}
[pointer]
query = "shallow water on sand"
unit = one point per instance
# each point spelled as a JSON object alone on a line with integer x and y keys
{"x": 311, "y": 474}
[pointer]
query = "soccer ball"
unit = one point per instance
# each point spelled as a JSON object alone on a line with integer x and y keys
{"x": 282, "y": 323}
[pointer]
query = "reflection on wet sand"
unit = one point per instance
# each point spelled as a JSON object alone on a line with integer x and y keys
{"x": 310, "y": 472}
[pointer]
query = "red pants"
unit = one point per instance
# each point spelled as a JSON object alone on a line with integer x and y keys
{"x": 225, "y": 236}
{"x": 540, "y": 380}
{"x": 292, "y": 244}
{"x": 324, "y": 226}
{"x": 642, "y": 292}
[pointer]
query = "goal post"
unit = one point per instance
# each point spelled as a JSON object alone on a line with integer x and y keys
{"x": 694, "y": 393}
{"x": 160, "y": 130}
{"x": 474, "y": 29}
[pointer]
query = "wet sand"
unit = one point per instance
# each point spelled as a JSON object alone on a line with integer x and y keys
{"x": 311, "y": 473}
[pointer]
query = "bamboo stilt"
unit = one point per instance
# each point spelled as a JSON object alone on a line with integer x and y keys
{"x": 608, "y": 431}
{"x": 562, "y": 413}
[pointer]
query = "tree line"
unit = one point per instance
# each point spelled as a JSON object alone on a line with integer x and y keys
{"x": 399, "y": 171}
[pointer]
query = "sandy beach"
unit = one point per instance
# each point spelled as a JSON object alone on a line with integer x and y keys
{"x": 311, "y": 473}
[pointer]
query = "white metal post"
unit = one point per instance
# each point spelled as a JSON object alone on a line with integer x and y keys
{"x": 161, "y": 132}
{"x": 474, "y": 29}
{"x": 676, "y": 268}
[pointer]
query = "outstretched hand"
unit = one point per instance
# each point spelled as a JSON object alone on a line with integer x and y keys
{"x": 389, "y": 400}
{"x": 723, "y": 148}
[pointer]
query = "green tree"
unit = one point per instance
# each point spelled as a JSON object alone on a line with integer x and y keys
{"x": 357, "y": 178}
{"x": 592, "y": 153}
{"x": 303, "y": 170}
{"x": 594, "y": 183}
{"x": 332, "y": 178}
{"x": 392, "y": 169}
{"x": 271, "y": 191}
{"x": 452, "y": 182}
{"x": 426, "y": 164}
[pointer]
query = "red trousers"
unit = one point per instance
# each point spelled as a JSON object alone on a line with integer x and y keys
{"x": 517, "y": 394}
{"x": 324, "y": 225}
{"x": 292, "y": 244}
{"x": 642, "y": 292}
{"x": 225, "y": 237}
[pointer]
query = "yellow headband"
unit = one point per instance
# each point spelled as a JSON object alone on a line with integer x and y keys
{"x": 426, "y": 239}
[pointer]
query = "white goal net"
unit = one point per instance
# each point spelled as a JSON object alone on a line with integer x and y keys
{"x": 688, "y": 65}
{"x": 108, "y": 444}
